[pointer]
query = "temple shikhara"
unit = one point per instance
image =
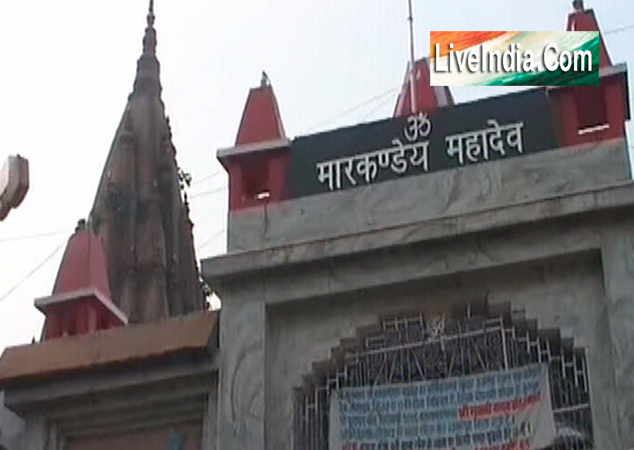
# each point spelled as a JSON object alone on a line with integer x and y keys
{"x": 455, "y": 276}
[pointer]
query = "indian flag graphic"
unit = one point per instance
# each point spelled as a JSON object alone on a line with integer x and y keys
{"x": 514, "y": 58}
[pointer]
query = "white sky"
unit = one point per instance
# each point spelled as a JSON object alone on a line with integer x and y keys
{"x": 67, "y": 67}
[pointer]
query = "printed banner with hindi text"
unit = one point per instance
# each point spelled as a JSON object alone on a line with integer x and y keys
{"x": 507, "y": 410}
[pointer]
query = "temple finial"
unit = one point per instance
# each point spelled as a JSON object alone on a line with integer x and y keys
{"x": 147, "y": 72}
{"x": 150, "y": 14}
{"x": 265, "y": 81}
{"x": 149, "y": 40}
{"x": 577, "y": 5}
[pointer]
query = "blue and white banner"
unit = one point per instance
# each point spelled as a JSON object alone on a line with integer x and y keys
{"x": 509, "y": 410}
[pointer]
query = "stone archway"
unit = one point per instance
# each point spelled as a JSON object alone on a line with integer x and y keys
{"x": 409, "y": 348}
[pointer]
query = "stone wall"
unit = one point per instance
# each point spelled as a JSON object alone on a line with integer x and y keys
{"x": 431, "y": 196}
{"x": 566, "y": 294}
{"x": 11, "y": 428}
{"x": 568, "y": 262}
{"x": 552, "y": 234}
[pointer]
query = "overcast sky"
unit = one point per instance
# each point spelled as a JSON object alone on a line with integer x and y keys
{"x": 67, "y": 67}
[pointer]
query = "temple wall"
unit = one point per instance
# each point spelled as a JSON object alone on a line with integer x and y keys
{"x": 551, "y": 234}
{"x": 132, "y": 410}
{"x": 566, "y": 294}
{"x": 446, "y": 193}
{"x": 11, "y": 427}
{"x": 570, "y": 271}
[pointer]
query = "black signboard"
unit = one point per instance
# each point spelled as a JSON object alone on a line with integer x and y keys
{"x": 448, "y": 138}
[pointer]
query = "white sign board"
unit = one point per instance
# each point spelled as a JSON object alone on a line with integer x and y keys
{"x": 494, "y": 411}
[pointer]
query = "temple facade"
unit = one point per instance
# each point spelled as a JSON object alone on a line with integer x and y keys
{"x": 458, "y": 276}
{"x": 394, "y": 285}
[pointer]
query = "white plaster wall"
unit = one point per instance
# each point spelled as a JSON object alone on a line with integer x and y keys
{"x": 11, "y": 427}
{"x": 566, "y": 294}
{"x": 426, "y": 197}
{"x": 568, "y": 261}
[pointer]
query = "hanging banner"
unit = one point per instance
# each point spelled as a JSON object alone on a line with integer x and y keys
{"x": 509, "y": 410}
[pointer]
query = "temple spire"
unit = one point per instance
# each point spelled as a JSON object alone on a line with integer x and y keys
{"x": 149, "y": 40}
{"x": 139, "y": 213}
{"x": 147, "y": 78}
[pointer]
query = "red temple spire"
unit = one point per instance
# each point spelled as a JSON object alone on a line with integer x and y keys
{"x": 261, "y": 120}
{"x": 80, "y": 302}
{"x": 582, "y": 19}
{"x": 427, "y": 97}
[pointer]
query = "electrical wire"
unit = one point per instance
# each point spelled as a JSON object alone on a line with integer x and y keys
{"x": 618, "y": 30}
{"x": 34, "y": 236}
{"x": 208, "y": 177}
{"x": 204, "y": 193}
{"x": 350, "y": 110}
{"x": 32, "y": 272}
{"x": 373, "y": 110}
{"x": 211, "y": 239}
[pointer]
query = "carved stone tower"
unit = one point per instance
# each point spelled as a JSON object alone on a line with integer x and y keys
{"x": 138, "y": 210}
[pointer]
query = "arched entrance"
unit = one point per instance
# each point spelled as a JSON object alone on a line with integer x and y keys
{"x": 411, "y": 349}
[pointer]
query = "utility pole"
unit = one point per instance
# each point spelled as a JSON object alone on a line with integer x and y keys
{"x": 412, "y": 60}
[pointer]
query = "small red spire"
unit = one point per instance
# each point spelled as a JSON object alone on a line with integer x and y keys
{"x": 582, "y": 19}
{"x": 261, "y": 120}
{"x": 83, "y": 265}
{"x": 428, "y": 97}
{"x": 80, "y": 302}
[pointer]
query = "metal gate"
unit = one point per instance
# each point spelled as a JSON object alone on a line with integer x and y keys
{"x": 408, "y": 348}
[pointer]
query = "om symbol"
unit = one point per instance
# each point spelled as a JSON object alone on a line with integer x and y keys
{"x": 436, "y": 326}
{"x": 418, "y": 126}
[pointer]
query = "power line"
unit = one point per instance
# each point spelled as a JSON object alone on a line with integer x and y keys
{"x": 211, "y": 239}
{"x": 34, "y": 236}
{"x": 351, "y": 110}
{"x": 212, "y": 191}
{"x": 32, "y": 272}
{"x": 208, "y": 177}
{"x": 618, "y": 30}
{"x": 379, "y": 106}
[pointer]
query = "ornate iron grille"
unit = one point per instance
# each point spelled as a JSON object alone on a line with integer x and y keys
{"x": 408, "y": 349}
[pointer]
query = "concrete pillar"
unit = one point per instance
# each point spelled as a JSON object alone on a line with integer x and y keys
{"x": 242, "y": 378}
{"x": 618, "y": 266}
{"x": 36, "y": 435}
{"x": 11, "y": 427}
